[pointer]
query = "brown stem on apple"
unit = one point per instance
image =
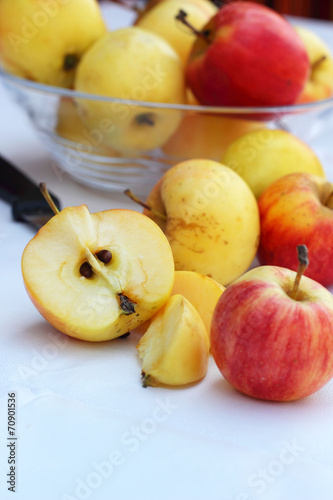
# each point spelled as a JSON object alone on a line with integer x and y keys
{"x": 70, "y": 62}
{"x": 145, "y": 379}
{"x": 126, "y": 305}
{"x": 131, "y": 195}
{"x": 318, "y": 62}
{"x": 303, "y": 262}
{"x": 47, "y": 196}
{"x": 182, "y": 17}
{"x": 329, "y": 201}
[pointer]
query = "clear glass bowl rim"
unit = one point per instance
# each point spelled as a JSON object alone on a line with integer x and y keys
{"x": 64, "y": 92}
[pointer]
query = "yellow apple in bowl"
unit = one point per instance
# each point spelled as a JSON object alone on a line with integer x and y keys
{"x": 261, "y": 157}
{"x": 137, "y": 65}
{"x": 44, "y": 41}
{"x": 320, "y": 82}
{"x": 161, "y": 19}
{"x": 97, "y": 276}
{"x": 210, "y": 217}
{"x": 206, "y": 135}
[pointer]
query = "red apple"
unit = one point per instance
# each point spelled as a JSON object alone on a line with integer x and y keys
{"x": 298, "y": 208}
{"x": 269, "y": 345}
{"x": 247, "y": 55}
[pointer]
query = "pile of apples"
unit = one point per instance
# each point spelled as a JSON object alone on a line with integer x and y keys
{"x": 178, "y": 274}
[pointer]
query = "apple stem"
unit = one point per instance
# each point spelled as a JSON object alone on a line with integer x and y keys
{"x": 318, "y": 62}
{"x": 131, "y": 195}
{"x": 145, "y": 379}
{"x": 47, "y": 196}
{"x": 182, "y": 17}
{"x": 303, "y": 262}
{"x": 329, "y": 202}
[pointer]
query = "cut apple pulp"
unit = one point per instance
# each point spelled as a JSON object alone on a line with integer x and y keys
{"x": 97, "y": 276}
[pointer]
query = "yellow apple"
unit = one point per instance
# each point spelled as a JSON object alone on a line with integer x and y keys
{"x": 204, "y": 135}
{"x": 131, "y": 63}
{"x": 97, "y": 276}
{"x": 70, "y": 127}
{"x": 160, "y": 19}
{"x": 203, "y": 293}
{"x": 320, "y": 83}
{"x": 44, "y": 41}
{"x": 262, "y": 156}
{"x": 175, "y": 348}
{"x": 210, "y": 217}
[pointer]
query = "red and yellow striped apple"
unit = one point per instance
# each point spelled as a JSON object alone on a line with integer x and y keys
{"x": 298, "y": 208}
{"x": 268, "y": 344}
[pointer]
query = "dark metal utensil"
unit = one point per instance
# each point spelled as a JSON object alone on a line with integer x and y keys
{"x": 28, "y": 203}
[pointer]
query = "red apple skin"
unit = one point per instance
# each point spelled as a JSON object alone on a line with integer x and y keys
{"x": 255, "y": 58}
{"x": 292, "y": 213}
{"x": 268, "y": 345}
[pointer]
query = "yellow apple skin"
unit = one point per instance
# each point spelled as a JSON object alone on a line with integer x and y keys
{"x": 206, "y": 136}
{"x": 320, "y": 83}
{"x": 203, "y": 293}
{"x": 89, "y": 309}
{"x": 263, "y": 156}
{"x": 175, "y": 348}
{"x": 131, "y": 63}
{"x": 160, "y": 19}
{"x": 70, "y": 127}
{"x": 35, "y": 37}
{"x": 212, "y": 218}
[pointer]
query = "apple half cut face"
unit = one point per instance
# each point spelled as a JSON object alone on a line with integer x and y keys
{"x": 97, "y": 276}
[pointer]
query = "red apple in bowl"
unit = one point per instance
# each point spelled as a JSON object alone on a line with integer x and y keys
{"x": 247, "y": 55}
{"x": 298, "y": 208}
{"x": 268, "y": 344}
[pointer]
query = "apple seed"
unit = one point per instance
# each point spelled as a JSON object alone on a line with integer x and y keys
{"x": 104, "y": 256}
{"x": 86, "y": 270}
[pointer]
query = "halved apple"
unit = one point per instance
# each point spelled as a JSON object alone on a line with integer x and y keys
{"x": 97, "y": 276}
{"x": 175, "y": 348}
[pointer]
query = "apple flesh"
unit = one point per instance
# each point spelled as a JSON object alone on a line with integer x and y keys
{"x": 251, "y": 56}
{"x": 298, "y": 208}
{"x": 211, "y": 218}
{"x": 44, "y": 41}
{"x": 268, "y": 345}
{"x": 175, "y": 348}
{"x": 86, "y": 295}
{"x": 261, "y": 157}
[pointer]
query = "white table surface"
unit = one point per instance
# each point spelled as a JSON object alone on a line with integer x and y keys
{"x": 86, "y": 429}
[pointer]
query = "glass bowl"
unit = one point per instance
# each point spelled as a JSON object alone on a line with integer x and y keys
{"x": 131, "y": 143}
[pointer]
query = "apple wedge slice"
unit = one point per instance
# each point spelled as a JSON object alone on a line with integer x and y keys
{"x": 175, "y": 348}
{"x": 97, "y": 276}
